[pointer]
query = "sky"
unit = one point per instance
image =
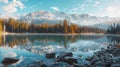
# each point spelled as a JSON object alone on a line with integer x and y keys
{"x": 109, "y": 8}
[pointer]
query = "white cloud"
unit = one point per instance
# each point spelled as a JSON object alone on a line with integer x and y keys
{"x": 113, "y": 11}
{"x": 112, "y": 8}
{"x": 96, "y": 4}
{"x": 55, "y": 8}
{"x": 4, "y": 1}
{"x": 10, "y": 9}
{"x": 78, "y": 8}
{"x": 82, "y": 7}
{"x": 12, "y": 6}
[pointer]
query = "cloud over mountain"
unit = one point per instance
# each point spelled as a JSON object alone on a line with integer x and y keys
{"x": 12, "y": 7}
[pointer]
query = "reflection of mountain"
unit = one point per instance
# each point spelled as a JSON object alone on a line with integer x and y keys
{"x": 85, "y": 46}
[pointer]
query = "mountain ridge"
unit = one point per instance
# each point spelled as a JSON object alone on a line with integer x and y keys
{"x": 43, "y": 16}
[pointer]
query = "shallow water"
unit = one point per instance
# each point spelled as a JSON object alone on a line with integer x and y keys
{"x": 30, "y": 48}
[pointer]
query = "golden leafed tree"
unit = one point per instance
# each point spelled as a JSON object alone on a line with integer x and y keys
{"x": 65, "y": 26}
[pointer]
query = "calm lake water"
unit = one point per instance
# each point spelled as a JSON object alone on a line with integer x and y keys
{"x": 30, "y": 48}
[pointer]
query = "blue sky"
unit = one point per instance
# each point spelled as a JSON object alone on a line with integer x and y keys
{"x": 93, "y": 7}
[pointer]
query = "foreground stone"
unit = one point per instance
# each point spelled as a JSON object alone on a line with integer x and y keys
{"x": 81, "y": 65}
{"x": 88, "y": 58}
{"x": 70, "y": 60}
{"x": 63, "y": 55}
{"x": 50, "y": 55}
{"x": 8, "y": 61}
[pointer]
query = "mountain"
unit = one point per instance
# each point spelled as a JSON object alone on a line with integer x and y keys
{"x": 53, "y": 18}
{"x": 105, "y": 25}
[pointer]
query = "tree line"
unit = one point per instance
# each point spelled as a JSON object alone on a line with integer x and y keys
{"x": 114, "y": 29}
{"x": 17, "y": 26}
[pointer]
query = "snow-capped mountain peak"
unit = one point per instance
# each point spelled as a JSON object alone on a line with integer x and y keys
{"x": 49, "y": 17}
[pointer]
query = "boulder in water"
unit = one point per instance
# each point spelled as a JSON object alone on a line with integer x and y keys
{"x": 63, "y": 55}
{"x": 50, "y": 55}
{"x": 70, "y": 60}
{"x": 7, "y": 61}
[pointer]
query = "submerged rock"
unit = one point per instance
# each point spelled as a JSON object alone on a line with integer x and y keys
{"x": 63, "y": 55}
{"x": 81, "y": 65}
{"x": 88, "y": 58}
{"x": 43, "y": 65}
{"x": 70, "y": 60}
{"x": 50, "y": 55}
{"x": 8, "y": 61}
{"x": 67, "y": 54}
{"x": 115, "y": 65}
{"x": 116, "y": 60}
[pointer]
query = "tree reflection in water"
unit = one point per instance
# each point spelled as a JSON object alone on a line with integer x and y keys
{"x": 114, "y": 39}
{"x": 22, "y": 40}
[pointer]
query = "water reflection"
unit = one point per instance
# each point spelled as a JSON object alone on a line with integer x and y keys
{"x": 31, "y": 47}
{"x": 61, "y": 40}
{"x": 114, "y": 39}
{"x": 12, "y": 40}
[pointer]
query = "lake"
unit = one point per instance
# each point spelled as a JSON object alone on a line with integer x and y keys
{"x": 31, "y": 48}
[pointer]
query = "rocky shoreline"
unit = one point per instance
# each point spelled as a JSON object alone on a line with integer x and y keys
{"x": 109, "y": 57}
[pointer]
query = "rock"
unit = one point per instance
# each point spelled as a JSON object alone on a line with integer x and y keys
{"x": 67, "y": 54}
{"x": 98, "y": 64}
{"x": 88, "y": 58}
{"x": 70, "y": 60}
{"x": 76, "y": 65}
{"x": 43, "y": 65}
{"x": 7, "y": 61}
{"x": 63, "y": 55}
{"x": 108, "y": 61}
{"x": 108, "y": 65}
{"x": 82, "y": 65}
{"x": 50, "y": 55}
{"x": 102, "y": 48}
{"x": 116, "y": 59}
{"x": 115, "y": 65}
{"x": 94, "y": 59}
